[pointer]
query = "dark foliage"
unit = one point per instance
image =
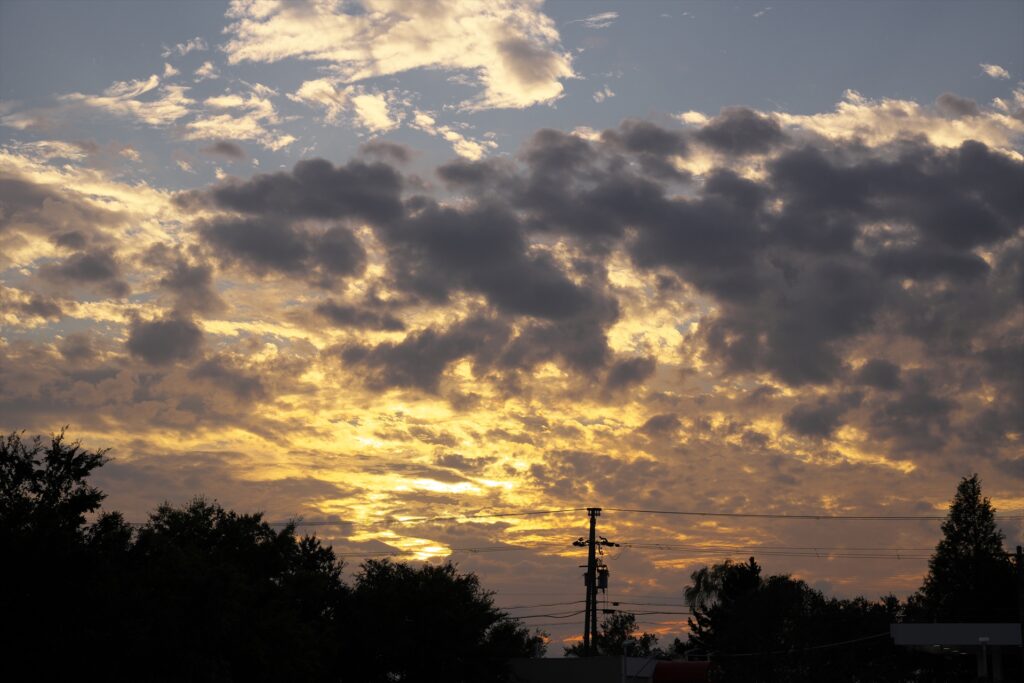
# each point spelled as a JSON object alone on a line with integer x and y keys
{"x": 970, "y": 576}
{"x": 417, "y": 623}
{"x": 617, "y": 635}
{"x": 777, "y": 628}
{"x": 200, "y": 593}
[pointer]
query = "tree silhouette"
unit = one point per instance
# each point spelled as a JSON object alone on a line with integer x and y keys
{"x": 422, "y": 624}
{"x": 617, "y": 635}
{"x": 202, "y": 593}
{"x": 43, "y": 492}
{"x": 970, "y": 576}
{"x": 780, "y": 629}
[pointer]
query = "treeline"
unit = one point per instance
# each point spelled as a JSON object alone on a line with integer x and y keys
{"x": 200, "y": 593}
{"x": 755, "y": 628}
{"x": 777, "y": 628}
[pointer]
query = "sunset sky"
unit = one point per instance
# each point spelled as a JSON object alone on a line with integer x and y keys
{"x": 372, "y": 261}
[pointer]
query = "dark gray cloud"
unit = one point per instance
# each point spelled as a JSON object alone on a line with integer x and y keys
{"x": 835, "y": 242}
{"x": 879, "y": 373}
{"x": 274, "y": 245}
{"x": 40, "y": 306}
{"x": 661, "y": 425}
{"x": 358, "y": 317}
{"x": 584, "y": 476}
{"x": 293, "y": 223}
{"x": 531, "y": 63}
{"x": 823, "y": 417}
{"x": 221, "y": 372}
{"x": 32, "y": 209}
{"x": 77, "y": 348}
{"x": 419, "y": 360}
{"x": 164, "y": 340}
{"x": 313, "y": 189}
{"x": 629, "y": 372}
{"x": 192, "y": 286}
{"x": 651, "y": 145}
{"x": 98, "y": 269}
{"x": 738, "y": 130}
{"x": 226, "y": 149}
{"x": 386, "y": 151}
{"x": 916, "y": 421}
{"x": 955, "y": 106}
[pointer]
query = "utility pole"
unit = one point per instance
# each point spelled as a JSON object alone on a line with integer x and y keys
{"x": 1020, "y": 595}
{"x": 590, "y": 579}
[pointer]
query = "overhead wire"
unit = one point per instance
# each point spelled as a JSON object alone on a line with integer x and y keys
{"x": 771, "y": 515}
{"x": 803, "y": 649}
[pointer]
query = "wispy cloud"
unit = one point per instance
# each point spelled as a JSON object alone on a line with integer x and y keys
{"x": 462, "y": 145}
{"x": 514, "y": 49}
{"x": 994, "y": 71}
{"x": 170, "y": 104}
{"x": 196, "y": 44}
{"x": 206, "y": 72}
{"x": 603, "y": 94}
{"x": 602, "y": 20}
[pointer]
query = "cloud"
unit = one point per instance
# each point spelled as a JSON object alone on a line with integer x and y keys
{"x": 465, "y": 147}
{"x": 879, "y": 373}
{"x": 603, "y": 94}
{"x": 602, "y": 20}
{"x": 822, "y": 418}
{"x": 313, "y": 189}
{"x": 323, "y": 93}
{"x": 737, "y": 130}
{"x": 170, "y": 104}
{"x": 191, "y": 284}
{"x": 957, "y": 106}
{"x": 225, "y": 148}
{"x": 795, "y": 311}
{"x": 240, "y": 117}
{"x": 349, "y": 316}
{"x": 164, "y": 341}
{"x": 881, "y": 122}
{"x": 38, "y": 216}
{"x": 222, "y": 373}
{"x": 419, "y": 360}
{"x": 267, "y": 245}
{"x": 513, "y": 50}
{"x": 96, "y": 269}
{"x": 372, "y": 111}
{"x": 386, "y": 151}
{"x": 629, "y": 372}
{"x": 994, "y": 71}
{"x": 196, "y": 44}
{"x": 206, "y": 72}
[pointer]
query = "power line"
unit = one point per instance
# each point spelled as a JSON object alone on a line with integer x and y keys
{"x": 688, "y": 513}
{"x": 804, "y": 649}
{"x": 563, "y": 615}
{"x": 543, "y": 604}
{"x": 521, "y": 513}
{"x": 669, "y": 546}
{"x": 768, "y": 515}
{"x": 810, "y": 553}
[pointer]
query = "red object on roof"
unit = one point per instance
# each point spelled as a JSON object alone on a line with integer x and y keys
{"x": 681, "y": 672}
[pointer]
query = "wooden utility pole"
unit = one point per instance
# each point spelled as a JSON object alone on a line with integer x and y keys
{"x": 1019, "y": 557}
{"x": 590, "y": 579}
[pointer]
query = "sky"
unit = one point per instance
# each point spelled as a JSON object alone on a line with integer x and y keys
{"x": 381, "y": 265}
